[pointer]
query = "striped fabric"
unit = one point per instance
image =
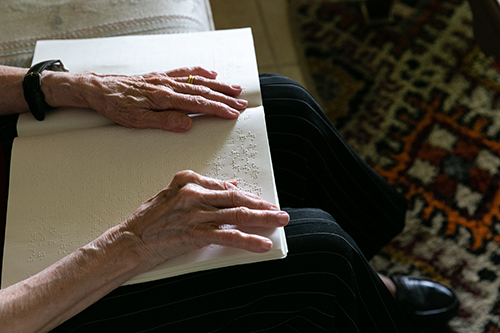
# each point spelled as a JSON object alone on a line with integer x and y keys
{"x": 315, "y": 167}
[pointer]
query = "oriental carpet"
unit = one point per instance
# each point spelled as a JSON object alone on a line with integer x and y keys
{"x": 420, "y": 102}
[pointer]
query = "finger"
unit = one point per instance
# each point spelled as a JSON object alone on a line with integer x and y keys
{"x": 197, "y": 70}
{"x": 241, "y": 240}
{"x": 227, "y": 198}
{"x": 234, "y": 182}
{"x": 182, "y": 178}
{"x": 245, "y": 217}
{"x": 200, "y": 104}
{"x": 186, "y": 177}
{"x": 210, "y": 94}
{"x": 250, "y": 194}
{"x": 224, "y": 88}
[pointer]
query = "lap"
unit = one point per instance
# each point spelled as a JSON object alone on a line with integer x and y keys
{"x": 325, "y": 284}
{"x": 315, "y": 167}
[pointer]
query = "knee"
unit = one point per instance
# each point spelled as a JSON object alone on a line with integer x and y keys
{"x": 314, "y": 230}
{"x": 280, "y": 86}
{"x": 274, "y": 78}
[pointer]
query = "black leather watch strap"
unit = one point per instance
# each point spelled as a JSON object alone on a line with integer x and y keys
{"x": 32, "y": 86}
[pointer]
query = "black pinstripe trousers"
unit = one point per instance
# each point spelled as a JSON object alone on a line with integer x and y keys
{"x": 324, "y": 285}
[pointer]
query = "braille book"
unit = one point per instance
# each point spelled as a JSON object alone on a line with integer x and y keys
{"x": 76, "y": 174}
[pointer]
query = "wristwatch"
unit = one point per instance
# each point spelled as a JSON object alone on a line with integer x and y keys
{"x": 32, "y": 86}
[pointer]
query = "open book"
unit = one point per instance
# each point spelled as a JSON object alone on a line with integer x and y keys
{"x": 76, "y": 174}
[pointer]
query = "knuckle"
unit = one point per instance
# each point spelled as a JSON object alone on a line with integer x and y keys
{"x": 226, "y": 185}
{"x": 190, "y": 192}
{"x": 230, "y": 236}
{"x": 204, "y": 90}
{"x": 165, "y": 85}
{"x": 189, "y": 69}
{"x": 185, "y": 190}
{"x": 221, "y": 106}
{"x": 159, "y": 99}
{"x": 178, "y": 176}
{"x": 269, "y": 217}
{"x": 152, "y": 74}
{"x": 161, "y": 76}
{"x": 233, "y": 197}
{"x": 242, "y": 214}
{"x": 141, "y": 83}
{"x": 184, "y": 174}
{"x": 197, "y": 68}
{"x": 200, "y": 101}
{"x": 183, "y": 177}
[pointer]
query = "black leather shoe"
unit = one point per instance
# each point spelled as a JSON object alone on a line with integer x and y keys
{"x": 425, "y": 302}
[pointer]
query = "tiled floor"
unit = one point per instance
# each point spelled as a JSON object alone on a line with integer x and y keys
{"x": 272, "y": 36}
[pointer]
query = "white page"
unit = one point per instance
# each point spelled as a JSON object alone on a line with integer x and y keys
{"x": 229, "y": 52}
{"x": 133, "y": 165}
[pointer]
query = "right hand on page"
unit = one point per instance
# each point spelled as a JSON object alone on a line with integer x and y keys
{"x": 191, "y": 213}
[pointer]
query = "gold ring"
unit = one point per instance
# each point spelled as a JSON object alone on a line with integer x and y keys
{"x": 190, "y": 79}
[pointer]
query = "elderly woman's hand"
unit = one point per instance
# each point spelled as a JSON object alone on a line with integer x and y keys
{"x": 147, "y": 101}
{"x": 191, "y": 213}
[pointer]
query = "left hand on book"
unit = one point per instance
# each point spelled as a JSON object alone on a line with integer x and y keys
{"x": 144, "y": 101}
{"x": 153, "y": 100}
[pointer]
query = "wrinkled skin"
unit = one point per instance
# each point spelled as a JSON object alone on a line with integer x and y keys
{"x": 191, "y": 213}
{"x": 154, "y": 100}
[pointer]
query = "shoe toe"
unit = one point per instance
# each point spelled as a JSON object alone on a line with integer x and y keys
{"x": 424, "y": 301}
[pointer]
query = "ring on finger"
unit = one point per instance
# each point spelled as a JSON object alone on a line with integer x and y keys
{"x": 190, "y": 79}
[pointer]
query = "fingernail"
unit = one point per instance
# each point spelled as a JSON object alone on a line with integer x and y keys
{"x": 184, "y": 123}
{"x": 235, "y": 112}
{"x": 274, "y": 207}
{"x": 236, "y": 87}
{"x": 266, "y": 245}
{"x": 242, "y": 102}
{"x": 283, "y": 218}
{"x": 213, "y": 73}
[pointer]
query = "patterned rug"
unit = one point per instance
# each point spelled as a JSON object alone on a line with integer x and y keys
{"x": 418, "y": 100}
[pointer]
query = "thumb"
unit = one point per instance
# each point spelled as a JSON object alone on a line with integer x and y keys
{"x": 172, "y": 121}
